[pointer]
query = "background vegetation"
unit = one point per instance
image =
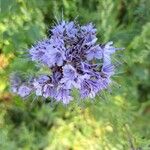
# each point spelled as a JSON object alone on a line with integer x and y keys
{"x": 120, "y": 121}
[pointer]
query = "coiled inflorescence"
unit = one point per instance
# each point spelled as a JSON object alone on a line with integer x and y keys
{"x": 75, "y": 61}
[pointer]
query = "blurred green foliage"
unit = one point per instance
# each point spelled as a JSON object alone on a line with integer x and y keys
{"x": 120, "y": 121}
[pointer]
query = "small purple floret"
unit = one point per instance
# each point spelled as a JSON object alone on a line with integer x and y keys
{"x": 24, "y": 91}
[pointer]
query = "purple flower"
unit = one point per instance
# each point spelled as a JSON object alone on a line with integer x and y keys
{"x": 39, "y": 83}
{"x": 94, "y": 52}
{"x": 43, "y": 79}
{"x": 24, "y": 91}
{"x": 75, "y": 61}
{"x": 108, "y": 50}
{"x": 63, "y": 95}
{"x": 104, "y": 83}
{"x": 71, "y": 30}
{"x": 49, "y": 90}
{"x": 56, "y": 57}
{"x": 69, "y": 77}
{"x": 37, "y": 52}
{"x": 89, "y": 33}
{"x": 69, "y": 72}
{"x": 57, "y": 43}
{"x": 59, "y": 29}
{"x": 38, "y": 88}
{"x": 108, "y": 70}
{"x": 56, "y": 76}
{"x": 88, "y": 29}
{"x": 89, "y": 88}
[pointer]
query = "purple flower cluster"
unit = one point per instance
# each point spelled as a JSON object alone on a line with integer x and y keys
{"x": 75, "y": 60}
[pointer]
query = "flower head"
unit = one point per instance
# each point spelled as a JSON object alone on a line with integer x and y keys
{"x": 74, "y": 59}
